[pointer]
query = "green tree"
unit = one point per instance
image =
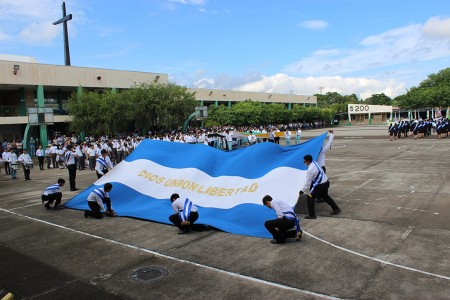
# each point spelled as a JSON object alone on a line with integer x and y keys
{"x": 378, "y": 99}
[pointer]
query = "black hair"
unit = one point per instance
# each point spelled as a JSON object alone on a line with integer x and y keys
{"x": 107, "y": 186}
{"x": 60, "y": 180}
{"x": 308, "y": 158}
{"x": 266, "y": 199}
{"x": 103, "y": 151}
{"x": 174, "y": 197}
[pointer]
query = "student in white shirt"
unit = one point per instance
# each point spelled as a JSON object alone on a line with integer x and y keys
{"x": 185, "y": 213}
{"x": 286, "y": 220}
{"x": 96, "y": 199}
{"x": 27, "y": 163}
{"x": 317, "y": 183}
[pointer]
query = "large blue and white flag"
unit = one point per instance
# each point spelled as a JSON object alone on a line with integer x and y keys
{"x": 226, "y": 186}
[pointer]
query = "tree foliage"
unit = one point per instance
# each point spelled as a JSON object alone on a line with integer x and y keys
{"x": 256, "y": 113}
{"x": 431, "y": 92}
{"x": 141, "y": 106}
{"x": 378, "y": 99}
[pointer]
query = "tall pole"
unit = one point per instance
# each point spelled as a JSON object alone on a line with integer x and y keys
{"x": 64, "y": 20}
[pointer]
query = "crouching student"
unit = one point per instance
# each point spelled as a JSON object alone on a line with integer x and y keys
{"x": 53, "y": 193}
{"x": 185, "y": 213}
{"x": 286, "y": 219}
{"x": 96, "y": 200}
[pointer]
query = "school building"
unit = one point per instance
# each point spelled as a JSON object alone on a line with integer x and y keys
{"x": 47, "y": 88}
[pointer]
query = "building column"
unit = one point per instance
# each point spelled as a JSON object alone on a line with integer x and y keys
{"x": 229, "y": 104}
{"x": 216, "y": 103}
{"x": 22, "y": 106}
{"x": 79, "y": 93}
{"x": 289, "y": 106}
{"x": 59, "y": 99}
{"x": 370, "y": 119}
{"x": 41, "y": 104}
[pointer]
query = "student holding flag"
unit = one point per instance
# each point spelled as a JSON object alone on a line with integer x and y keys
{"x": 286, "y": 219}
{"x": 96, "y": 199}
{"x": 185, "y": 213}
{"x": 317, "y": 183}
{"x": 103, "y": 164}
{"x": 53, "y": 193}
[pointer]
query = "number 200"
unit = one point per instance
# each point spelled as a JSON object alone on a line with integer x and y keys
{"x": 359, "y": 108}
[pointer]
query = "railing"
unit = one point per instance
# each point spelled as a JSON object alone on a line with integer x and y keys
{"x": 9, "y": 111}
{"x": 14, "y": 111}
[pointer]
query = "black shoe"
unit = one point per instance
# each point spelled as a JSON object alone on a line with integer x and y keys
{"x": 58, "y": 207}
{"x": 277, "y": 242}
{"x": 47, "y": 206}
{"x": 310, "y": 217}
{"x": 75, "y": 189}
{"x": 335, "y": 212}
{"x": 86, "y": 214}
{"x": 182, "y": 232}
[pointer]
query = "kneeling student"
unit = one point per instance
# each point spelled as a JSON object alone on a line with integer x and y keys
{"x": 96, "y": 199}
{"x": 53, "y": 193}
{"x": 185, "y": 213}
{"x": 286, "y": 219}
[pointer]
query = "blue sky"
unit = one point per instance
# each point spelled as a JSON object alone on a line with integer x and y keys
{"x": 285, "y": 46}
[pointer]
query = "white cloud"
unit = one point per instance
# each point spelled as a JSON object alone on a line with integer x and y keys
{"x": 39, "y": 33}
{"x": 437, "y": 27}
{"x": 20, "y": 58}
{"x": 314, "y": 24}
{"x": 29, "y": 22}
{"x": 390, "y": 49}
{"x": 362, "y": 87}
{"x": 284, "y": 84}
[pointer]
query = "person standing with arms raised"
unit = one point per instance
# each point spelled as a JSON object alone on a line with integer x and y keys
{"x": 71, "y": 166}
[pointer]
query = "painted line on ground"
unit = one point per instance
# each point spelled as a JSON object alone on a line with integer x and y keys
{"x": 368, "y": 181}
{"x": 387, "y": 205}
{"x": 237, "y": 275}
{"x": 383, "y": 262}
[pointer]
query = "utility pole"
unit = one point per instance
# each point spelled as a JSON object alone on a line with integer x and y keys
{"x": 64, "y": 20}
{"x": 320, "y": 89}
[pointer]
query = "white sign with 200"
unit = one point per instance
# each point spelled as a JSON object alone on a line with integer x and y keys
{"x": 366, "y": 109}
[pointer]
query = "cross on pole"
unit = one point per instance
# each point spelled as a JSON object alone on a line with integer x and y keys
{"x": 64, "y": 20}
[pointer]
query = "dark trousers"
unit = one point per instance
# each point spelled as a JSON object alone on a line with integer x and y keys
{"x": 119, "y": 156}
{"x": 52, "y": 197}
{"x": 26, "y": 172}
{"x": 320, "y": 191}
{"x": 72, "y": 175}
{"x": 55, "y": 163}
{"x": 100, "y": 175}
{"x": 283, "y": 225}
{"x": 7, "y": 170}
{"x": 175, "y": 219}
{"x": 92, "y": 163}
{"x": 81, "y": 164}
{"x": 41, "y": 162}
{"x": 95, "y": 208}
{"x": 49, "y": 160}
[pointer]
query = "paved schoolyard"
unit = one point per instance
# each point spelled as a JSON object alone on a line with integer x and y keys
{"x": 392, "y": 240}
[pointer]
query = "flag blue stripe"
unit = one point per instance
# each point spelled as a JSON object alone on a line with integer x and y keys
{"x": 251, "y": 162}
{"x": 245, "y": 219}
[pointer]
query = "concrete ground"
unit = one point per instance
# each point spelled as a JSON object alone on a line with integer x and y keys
{"x": 392, "y": 240}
